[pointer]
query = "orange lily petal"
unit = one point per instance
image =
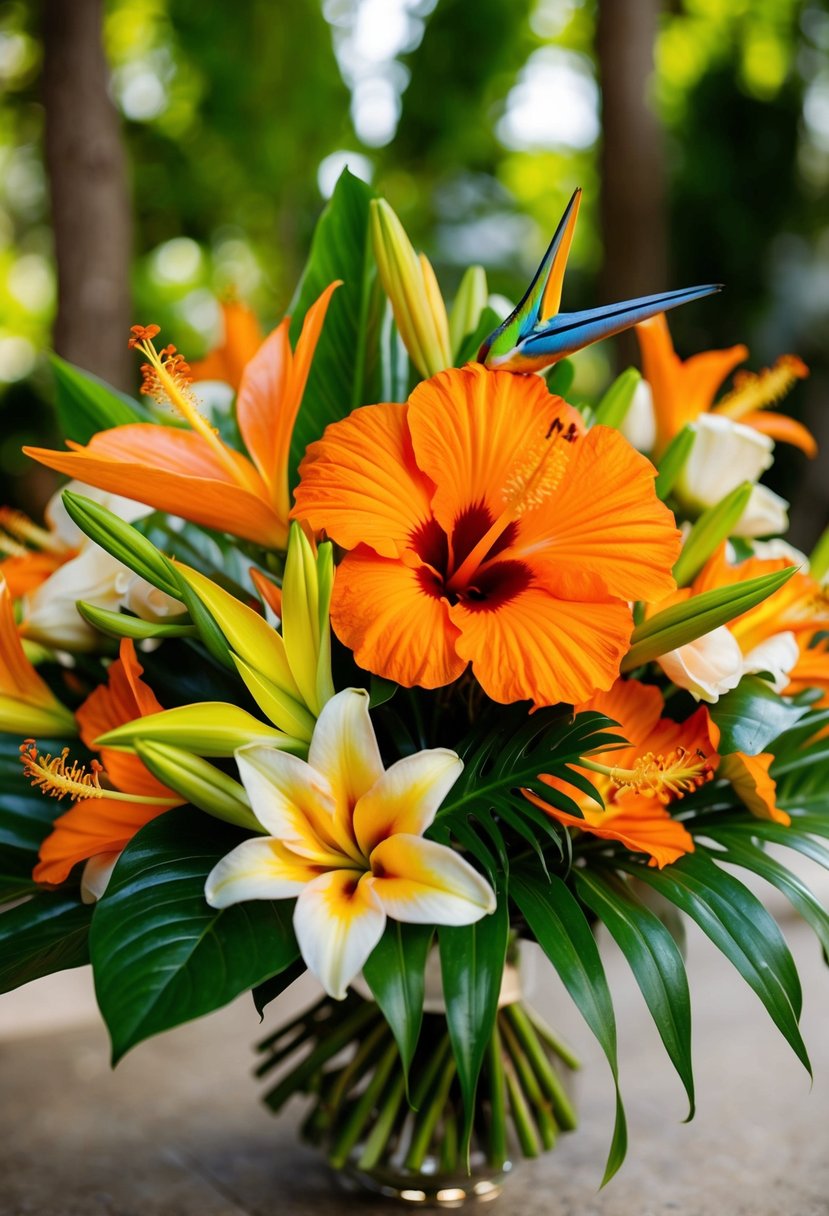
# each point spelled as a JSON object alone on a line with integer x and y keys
{"x": 268, "y": 592}
{"x": 605, "y": 518}
{"x": 783, "y": 428}
{"x": 749, "y": 775}
{"x": 176, "y": 471}
{"x": 394, "y": 620}
{"x": 90, "y": 827}
{"x": 18, "y": 678}
{"x": 25, "y": 572}
{"x": 242, "y": 338}
{"x": 360, "y": 482}
{"x": 526, "y": 643}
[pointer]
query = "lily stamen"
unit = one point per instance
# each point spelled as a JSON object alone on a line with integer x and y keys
{"x": 661, "y": 776}
{"x": 757, "y": 390}
{"x": 16, "y": 529}
{"x": 58, "y": 777}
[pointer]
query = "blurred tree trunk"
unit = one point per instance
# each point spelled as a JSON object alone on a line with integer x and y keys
{"x": 91, "y": 212}
{"x": 632, "y": 208}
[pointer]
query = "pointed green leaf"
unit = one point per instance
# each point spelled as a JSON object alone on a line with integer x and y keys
{"x": 819, "y": 558}
{"x": 559, "y": 926}
{"x": 739, "y": 925}
{"x": 655, "y": 960}
{"x": 560, "y": 377}
{"x": 713, "y": 527}
{"x": 614, "y": 406}
{"x": 472, "y": 961}
{"x": 752, "y": 715}
{"x": 395, "y": 975}
{"x": 46, "y": 933}
{"x": 160, "y": 954}
{"x": 683, "y": 623}
{"x": 85, "y": 404}
{"x": 673, "y": 461}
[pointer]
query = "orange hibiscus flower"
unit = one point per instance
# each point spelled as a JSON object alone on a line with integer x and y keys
{"x": 665, "y": 760}
{"x": 99, "y": 825}
{"x": 486, "y": 525}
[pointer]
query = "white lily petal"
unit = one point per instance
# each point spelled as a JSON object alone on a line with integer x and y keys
{"x": 96, "y": 875}
{"x": 67, "y": 532}
{"x": 422, "y": 882}
{"x": 639, "y": 425}
{"x": 724, "y": 455}
{"x": 706, "y": 667}
{"x": 338, "y": 921}
{"x": 406, "y": 796}
{"x": 766, "y": 513}
{"x": 777, "y": 547}
{"x": 50, "y": 614}
{"x": 259, "y": 868}
{"x": 290, "y": 799}
{"x": 776, "y": 655}
{"x": 344, "y": 746}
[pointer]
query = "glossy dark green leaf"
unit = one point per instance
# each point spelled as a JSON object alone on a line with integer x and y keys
{"x": 471, "y": 966}
{"x": 655, "y": 960}
{"x": 46, "y": 933}
{"x": 26, "y": 816}
{"x": 346, "y": 364}
{"x": 268, "y": 991}
{"x": 739, "y": 925}
{"x": 161, "y": 956}
{"x": 395, "y": 975}
{"x": 85, "y": 404}
{"x": 560, "y": 377}
{"x": 752, "y": 715}
{"x": 560, "y": 927}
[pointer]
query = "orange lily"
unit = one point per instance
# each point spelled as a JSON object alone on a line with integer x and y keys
{"x": 751, "y": 780}
{"x": 103, "y": 819}
{"x": 27, "y": 703}
{"x": 684, "y": 389}
{"x": 241, "y": 339}
{"x": 665, "y": 760}
{"x": 32, "y": 553}
{"x": 485, "y": 525}
{"x": 193, "y": 473}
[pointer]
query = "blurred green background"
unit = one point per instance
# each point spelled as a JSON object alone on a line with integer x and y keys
{"x": 699, "y": 129}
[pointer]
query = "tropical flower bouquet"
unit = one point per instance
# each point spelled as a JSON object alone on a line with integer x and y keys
{"x": 406, "y": 658}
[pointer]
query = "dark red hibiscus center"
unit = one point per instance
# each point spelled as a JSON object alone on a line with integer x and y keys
{"x": 489, "y": 586}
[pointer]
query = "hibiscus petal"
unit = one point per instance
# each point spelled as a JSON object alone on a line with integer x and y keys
{"x": 360, "y": 482}
{"x": 422, "y": 882}
{"x": 344, "y": 748}
{"x": 642, "y": 825}
{"x": 749, "y": 775}
{"x": 90, "y": 827}
{"x": 292, "y": 800}
{"x": 393, "y": 617}
{"x": 605, "y": 519}
{"x": 406, "y": 797}
{"x": 534, "y": 645}
{"x": 338, "y": 921}
{"x": 176, "y": 471}
{"x": 260, "y": 868}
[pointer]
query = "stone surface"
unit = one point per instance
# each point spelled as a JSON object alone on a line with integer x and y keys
{"x": 177, "y": 1129}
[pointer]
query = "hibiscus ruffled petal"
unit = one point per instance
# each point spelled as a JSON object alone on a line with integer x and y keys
{"x": 642, "y": 825}
{"x": 421, "y": 882}
{"x": 360, "y": 482}
{"x": 338, "y": 921}
{"x": 406, "y": 797}
{"x": 260, "y": 868}
{"x": 393, "y": 617}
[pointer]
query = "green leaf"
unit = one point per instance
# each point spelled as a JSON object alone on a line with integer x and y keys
{"x": 614, "y": 406}
{"x": 123, "y": 541}
{"x": 739, "y": 925}
{"x": 160, "y": 954}
{"x": 559, "y": 926}
{"x": 47, "y": 933}
{"x": 16, "y": 874}
{"x": 395, "y": 975}
{"x": 655, "y": 960}
{"x": 120, "y": 625}
{"x": 346, "y": 363}
{"x": 26, "y": 816}
{"x": 819, "y": 558}
{"x": 488, "y": 320}
{"x": 264, "y": 993}
{"x": 753, "y": 714}
{"x": 683, "y": 623}
{"x": 673, "y": 461}
{"x": 713, "y": 527}
{"x": 85, "y": 404}
{"x": 381, "y": 691}
{"x": 742, "y": 852}
{"x": 472, "y": 961}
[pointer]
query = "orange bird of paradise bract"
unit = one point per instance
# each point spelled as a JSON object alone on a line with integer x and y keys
{"x": 192, "y": 472}
{"x": 485, "y": 525}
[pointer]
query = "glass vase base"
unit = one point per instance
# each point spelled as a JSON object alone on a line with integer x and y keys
{"x": 425, "y": 1190}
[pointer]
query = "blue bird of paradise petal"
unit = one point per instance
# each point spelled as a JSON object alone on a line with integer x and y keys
{"x": 537, "y": 335}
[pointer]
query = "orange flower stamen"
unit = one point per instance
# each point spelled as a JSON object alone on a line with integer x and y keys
{"x": 530, "y": 482}
{"x": 168, "y": 380}
{"x": 57, "y": 777}
{"x": 660, "y": 776}
{"x": 757, "y": 390}
{"x": 23, "y": 533}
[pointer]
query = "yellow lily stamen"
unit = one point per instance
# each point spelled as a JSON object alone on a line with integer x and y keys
{"x": 167, "y": 378}
{"x": 57, "y": 777}
{"x": 17, "y": 527}
{"x": 662, "y": 776}
{"x": 757, "y": 390}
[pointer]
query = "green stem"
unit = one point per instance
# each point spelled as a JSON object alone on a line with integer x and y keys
{"x": 544, "y": 1072}
{"x": 556, "y": 1045}
{"x": 300, "y": 1020}
{"x": 498, "y": 1101}
{"x": 356, "y": 1067}
{"x": 348, "y": 1029}
{"x": 427, "y": 1077}
{"x": 539, "y": 1103}
{"x": 449, "y": 1144}
{"x": 382, "y": 1130}
{"x": 426, "y": 1120}
{"x": 520, "y": 1113}
{"x": 350, "y": 1132}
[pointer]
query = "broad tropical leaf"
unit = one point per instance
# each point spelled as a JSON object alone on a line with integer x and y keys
{"x": 85, "y": 404}
{"x": 752, "y": 715}
{"x": 395, "y": 975}
{"x": 44, "y": 934}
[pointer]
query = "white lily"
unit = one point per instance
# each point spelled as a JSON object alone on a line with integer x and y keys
{"x": 639, "y": 424}
{"x": 777, "y": 655}
{"x": 346, "y": 837}
{"x": 726, "y": 454}
{"x": 707, "y": 667}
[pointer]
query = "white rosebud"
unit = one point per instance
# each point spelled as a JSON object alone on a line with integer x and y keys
{"x": 707, "y": 667}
